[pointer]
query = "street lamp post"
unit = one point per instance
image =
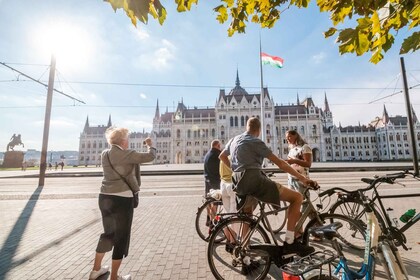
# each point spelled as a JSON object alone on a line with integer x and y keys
{"x": 43, "y": 164}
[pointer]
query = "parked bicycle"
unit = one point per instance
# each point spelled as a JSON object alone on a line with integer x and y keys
{"x": 351, "y": 204}
{"x": 384, "y": 236}
{"x": 250, "y": 246}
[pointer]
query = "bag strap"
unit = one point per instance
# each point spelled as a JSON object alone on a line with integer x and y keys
{"x": 122, "y": 178}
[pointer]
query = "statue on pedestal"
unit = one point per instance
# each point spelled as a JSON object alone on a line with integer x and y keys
{"x": 12, "y": 158}
{"x": 14, "y": 141}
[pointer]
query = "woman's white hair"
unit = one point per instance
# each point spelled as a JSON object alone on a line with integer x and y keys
{"x": 116, "y": 135}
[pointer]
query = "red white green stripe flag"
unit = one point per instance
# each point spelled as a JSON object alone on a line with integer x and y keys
{"x": 272, "y": 60}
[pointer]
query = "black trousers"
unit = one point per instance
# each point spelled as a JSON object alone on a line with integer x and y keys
{"x": 117, "y": 217}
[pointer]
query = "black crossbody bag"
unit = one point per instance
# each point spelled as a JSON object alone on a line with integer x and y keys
{"x": 135, "y": 194}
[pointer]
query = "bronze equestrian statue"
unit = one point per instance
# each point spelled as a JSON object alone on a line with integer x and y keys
{"x": 14, "y": 141}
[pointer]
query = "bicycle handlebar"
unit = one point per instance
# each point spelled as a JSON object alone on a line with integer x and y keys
{"x": 389, "y": 178}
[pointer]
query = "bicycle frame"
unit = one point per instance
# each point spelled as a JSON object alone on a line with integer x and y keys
{"x": 366, "y": 271}
{"x": 381, "y": 242}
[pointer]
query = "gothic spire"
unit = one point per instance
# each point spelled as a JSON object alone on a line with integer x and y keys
{"x": 238, "y": 83}
{"x": 415, "y": 120}
{"x": 86, "y": 123}
{"x": 157, "y": 110}
{"x": 297, "y": 98}
{"x": 326, "y": 106}
{"x": 385, "y": 117}
{"x": 109, "y": 121}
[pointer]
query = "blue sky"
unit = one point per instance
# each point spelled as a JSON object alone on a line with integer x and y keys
{"x": 190, "y": 49}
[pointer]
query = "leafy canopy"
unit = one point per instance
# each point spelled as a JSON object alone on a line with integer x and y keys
{"x": 376, "y": 21}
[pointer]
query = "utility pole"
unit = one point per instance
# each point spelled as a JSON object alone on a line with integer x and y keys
{"x": 410, "y": 119}
{"x": 43, "y": 164}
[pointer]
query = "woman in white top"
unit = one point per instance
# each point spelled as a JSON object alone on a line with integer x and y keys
{"x": 300, "y": 158}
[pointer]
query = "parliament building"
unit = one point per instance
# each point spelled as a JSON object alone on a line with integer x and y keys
{"x": 184, "y": 136}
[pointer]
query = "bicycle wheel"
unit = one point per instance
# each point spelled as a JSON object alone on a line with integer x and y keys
{"x": 231, "y": 259}
{"x": 205, "y": 220}
{"x": 350, "y": 208}
{"x": 278, "y": 219}
{"x": 351, "y": 237}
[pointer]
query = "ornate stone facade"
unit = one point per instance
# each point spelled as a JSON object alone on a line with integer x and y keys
{"x": 184, "y": 136}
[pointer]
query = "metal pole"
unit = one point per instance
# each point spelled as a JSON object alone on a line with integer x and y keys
{"x": 262, "y": 98}
{"x": 410, "y": 119}
{"x": 43, "y": 164}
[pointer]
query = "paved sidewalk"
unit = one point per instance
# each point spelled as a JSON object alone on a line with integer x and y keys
{"x": 51, "y": 232}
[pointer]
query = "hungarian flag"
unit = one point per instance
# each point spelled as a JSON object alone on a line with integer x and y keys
{"x": 272, "y": 60}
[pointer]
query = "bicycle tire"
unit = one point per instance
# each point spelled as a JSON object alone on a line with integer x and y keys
{"x": 277, "y": 220}
{"x": 355, "y": 210}
{"x": 202, "y": 227}
{"x": 226, "y": 264}
{"x": 352, "y": 236}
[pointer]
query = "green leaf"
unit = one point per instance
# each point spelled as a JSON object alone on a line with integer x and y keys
{"x": 330, "y": 32}
{"x": 411, "y": 43}
{"x": 376, "y": 56}
{"x": 361, "y": 44}
{"x": 223, "y": 15}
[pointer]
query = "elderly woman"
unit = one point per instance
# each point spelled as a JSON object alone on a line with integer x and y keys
{"x": 119, "y": 186}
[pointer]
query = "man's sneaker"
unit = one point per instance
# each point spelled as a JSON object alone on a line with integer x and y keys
{"x": 125, "y": 277}
{"x": 246, "y": 269}
{"x": 94, "y": 274}
{"x": 297, "y": 248}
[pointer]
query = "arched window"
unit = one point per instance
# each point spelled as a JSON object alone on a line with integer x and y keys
{"x": 314, "y": 129}
{"x": 178, "y": 133}
{"x": 268, "y": 130}
{"x": 213, "y": 133}
{"x": 231, "y": 121}
{"x": 236, "y": 121}
{"x": 189, "y": 133}
{"x": 222, "y": 131}
{"x": 242, "y": 121}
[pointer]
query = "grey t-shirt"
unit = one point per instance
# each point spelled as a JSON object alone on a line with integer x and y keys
{"x": 246, "y": 152}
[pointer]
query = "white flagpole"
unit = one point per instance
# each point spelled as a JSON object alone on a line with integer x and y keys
{"x": 262, "y": 97}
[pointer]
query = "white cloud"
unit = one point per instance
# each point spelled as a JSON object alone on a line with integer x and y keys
{"x": 143, "y": 96}
{"x": 140, "y": 33}
{"x": 161, "y": 59}
{"x": 318, "y": 58}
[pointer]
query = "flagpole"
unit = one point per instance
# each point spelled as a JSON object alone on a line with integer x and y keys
{"x": 262, "y": 97}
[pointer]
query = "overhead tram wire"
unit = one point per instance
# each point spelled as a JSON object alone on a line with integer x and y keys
{"x": 41, "y": 83}
{"x": 216, "y": 86}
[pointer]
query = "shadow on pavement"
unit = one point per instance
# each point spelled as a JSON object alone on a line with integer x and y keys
{"x": 412, "y": 267}
{"x": 11, "y": 244}
{"x": 53, "y": 243}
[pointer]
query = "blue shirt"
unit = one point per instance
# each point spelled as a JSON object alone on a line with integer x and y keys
{"x": 246, "y": 152}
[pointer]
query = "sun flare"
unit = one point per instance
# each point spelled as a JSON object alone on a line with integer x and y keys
{"x": 69, "y": 43}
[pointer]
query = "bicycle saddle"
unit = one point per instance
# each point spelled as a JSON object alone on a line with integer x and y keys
{"x": 328, "y": 231}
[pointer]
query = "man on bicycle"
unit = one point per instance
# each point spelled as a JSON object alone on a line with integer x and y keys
{"x": 247, "y": 153}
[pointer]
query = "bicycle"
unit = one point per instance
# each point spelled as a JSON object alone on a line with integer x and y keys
{"x": 205, "y": 223}
{"x": 247, "y": 251}
{"x": 351, "y": 204}
{"x": 384, "y": 237}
